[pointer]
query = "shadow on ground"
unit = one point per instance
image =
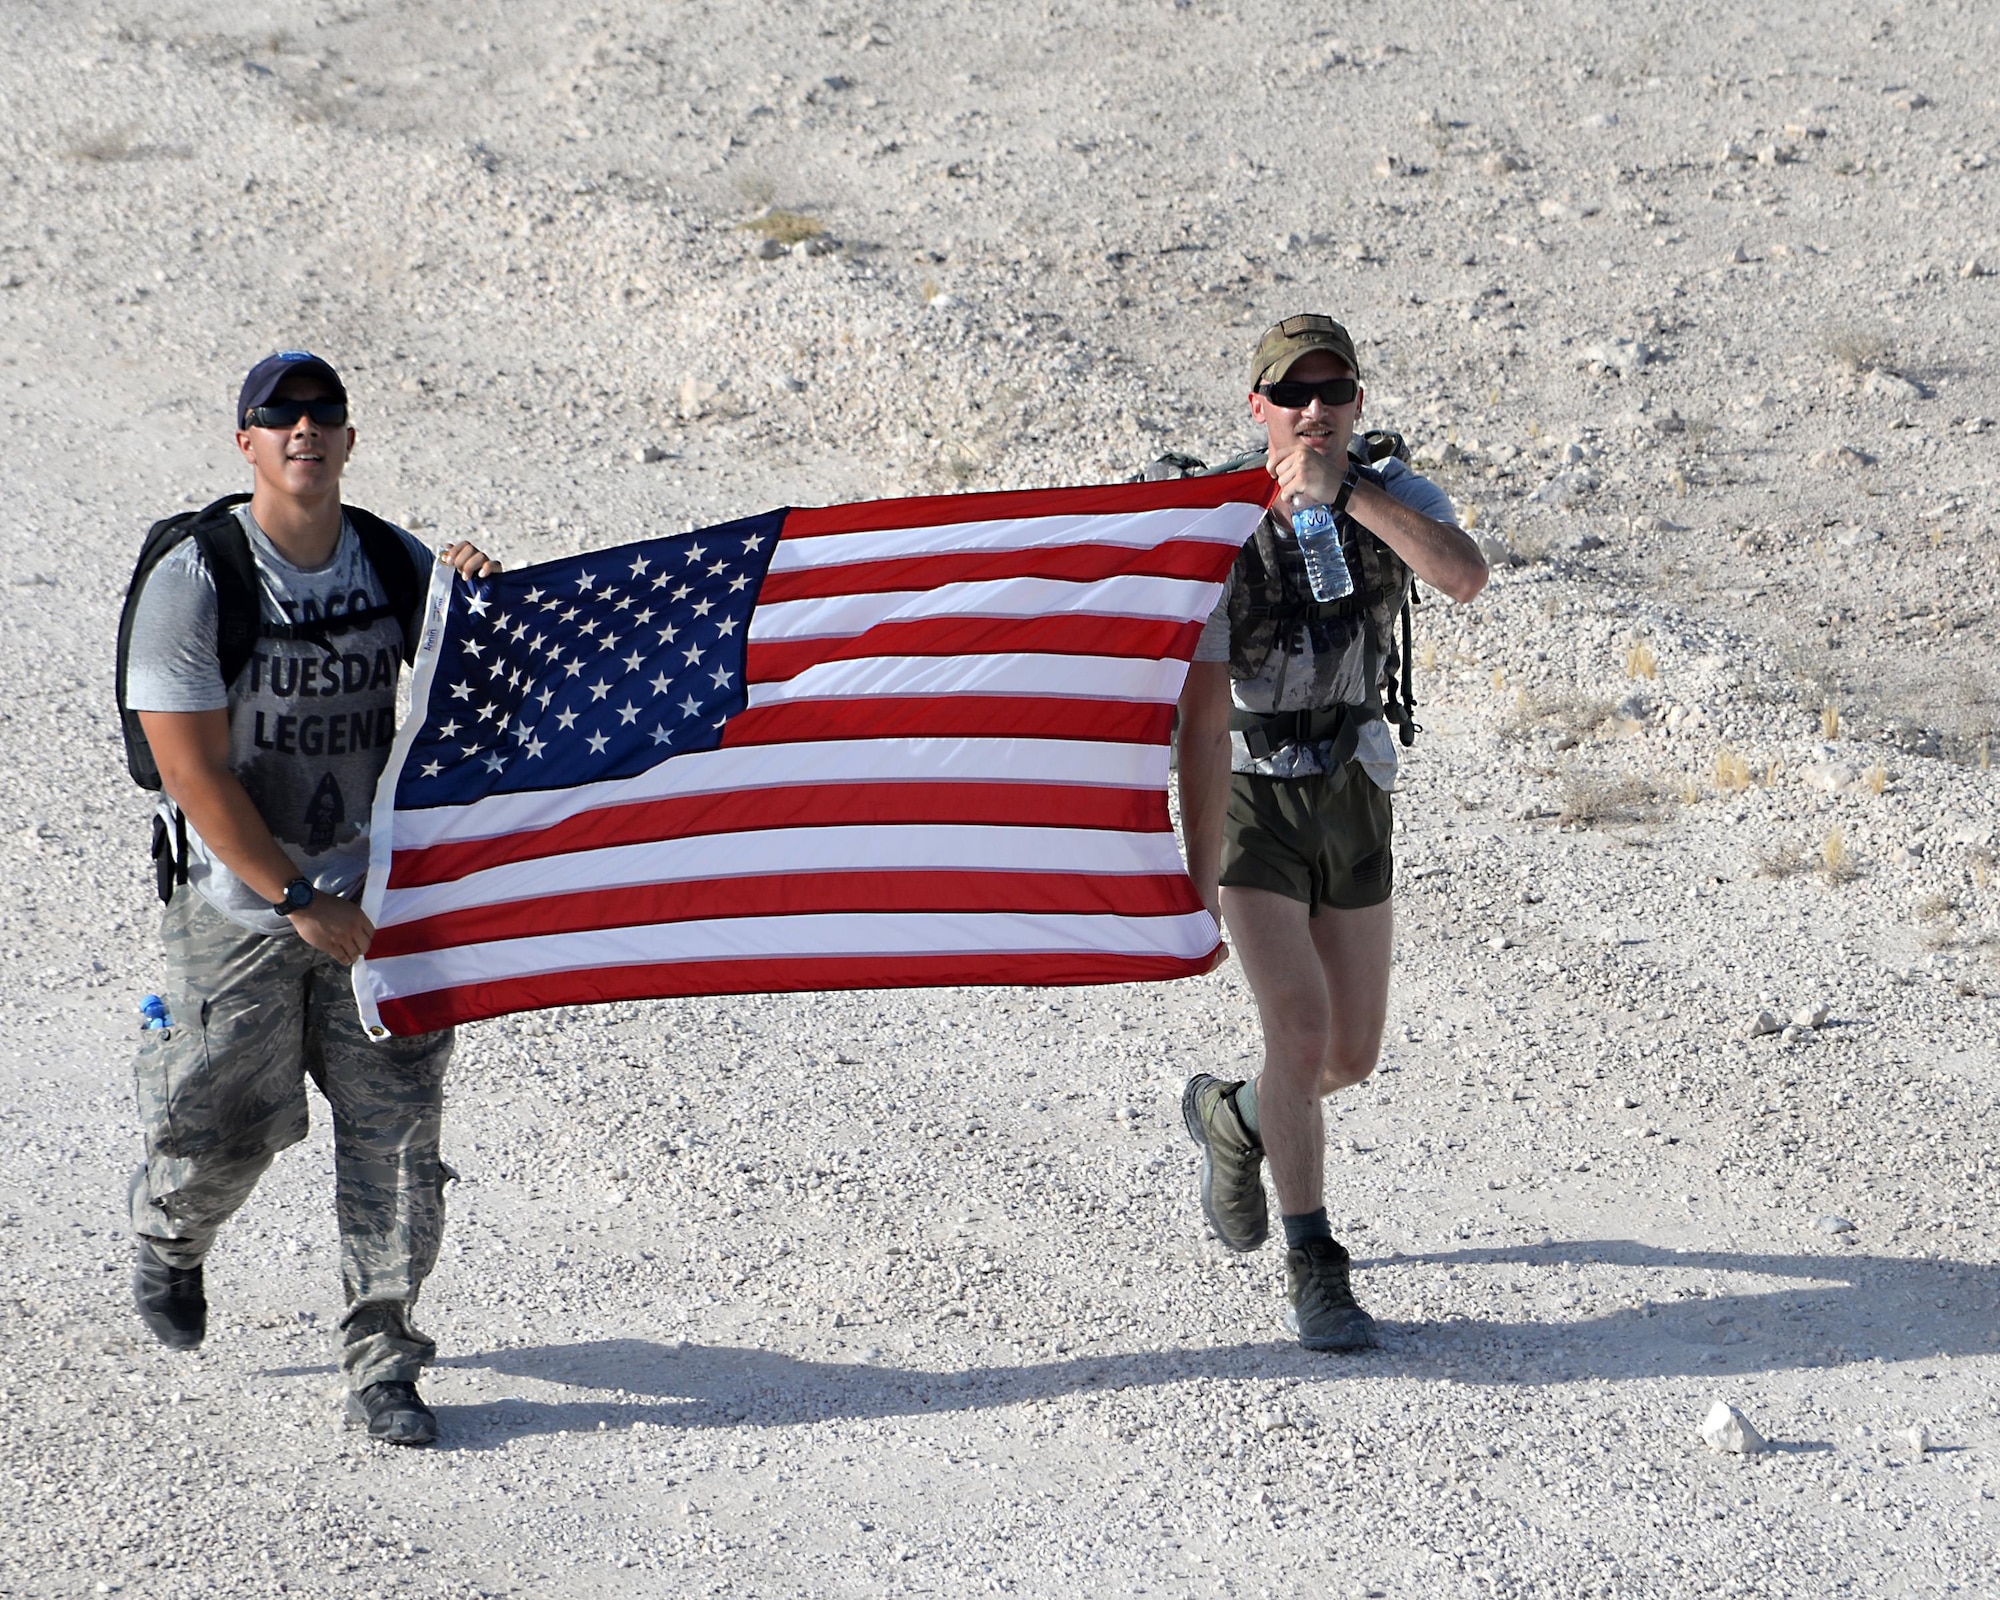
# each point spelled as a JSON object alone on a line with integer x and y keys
{"x": 1836, "y": 1310}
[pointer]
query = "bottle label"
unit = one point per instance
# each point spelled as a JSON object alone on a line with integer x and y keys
{"x": 1319, "y": 543}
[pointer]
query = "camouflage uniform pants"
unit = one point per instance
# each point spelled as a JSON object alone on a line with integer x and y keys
{"x": 223, "y": 1090}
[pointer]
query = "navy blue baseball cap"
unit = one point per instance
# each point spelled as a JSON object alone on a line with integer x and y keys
{"x": 275, "y": 369}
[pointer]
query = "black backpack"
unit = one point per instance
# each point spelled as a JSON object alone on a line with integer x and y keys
{"x": 239, "y": 622}
{"x": 1377, "y": 444}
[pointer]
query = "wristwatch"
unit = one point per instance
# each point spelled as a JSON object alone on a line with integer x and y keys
{"x": 298, "y": 895}
{"x": 1346, "y": 488}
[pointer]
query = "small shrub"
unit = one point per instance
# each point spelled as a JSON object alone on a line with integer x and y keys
{"x": 1858, "y": 349}
{"x": 1782, "y": 861}
{"x": 1640, "y": 661}
{"x": 1588, "y": 798}
{"x": 787, "y": 227}
{"x": 121, "y": 143}
{"x": 1732, "y": 771}
{"x": 1876, "y": 777}
{"x": 1829, "y": 721}
{"x": 1836, "y": 863}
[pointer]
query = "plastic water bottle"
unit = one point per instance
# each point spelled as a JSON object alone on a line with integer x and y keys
{"x": 1319, "y": 542}
{"x": 153, "y": 1012}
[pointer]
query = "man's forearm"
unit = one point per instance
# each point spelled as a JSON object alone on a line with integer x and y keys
{"x": 218, "y": 808}
{"x": 1441, "y": 554}
{"x": 1203, "y": 771}
{"x": 192, "y": 749}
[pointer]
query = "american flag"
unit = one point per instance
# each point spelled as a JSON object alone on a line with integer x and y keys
{"x": 905, "y": 742}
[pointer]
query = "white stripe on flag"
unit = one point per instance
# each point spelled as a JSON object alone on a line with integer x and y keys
{"x": 1132, "y": 530}
{"x": 841, "y": 616}
{"x": 1034, "y": 677}
{"x": 772, "y": 852}
{"x": 720, "y": 772}
{"x": 750, "y": 939}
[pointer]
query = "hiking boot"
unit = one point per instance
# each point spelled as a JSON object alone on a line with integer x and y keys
{"x": 1321, "y": 1308}
{"x": 393, "y": 1412}
{"x": 1232, "y": 1180}
{"x": 170, "y": 1300}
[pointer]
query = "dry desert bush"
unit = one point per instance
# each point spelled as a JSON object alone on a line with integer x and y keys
{"x": 1782, "y": 860}
{"x": 1570, "y": 714}
{"x": 1589, "y": 798}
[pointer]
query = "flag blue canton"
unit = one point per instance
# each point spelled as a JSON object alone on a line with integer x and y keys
{"x": 597, "y": 667}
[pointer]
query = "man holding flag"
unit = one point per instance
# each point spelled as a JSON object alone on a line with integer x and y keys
{"x": 267, "y": 766}
{"x": 1286, "y": 766}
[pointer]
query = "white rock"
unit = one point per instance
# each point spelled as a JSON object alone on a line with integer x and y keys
{"x": 1566, "y": 488}
{"x": 1893, "y": 386}
{"x": 1918, "y": 1438}
{"x": 1494, "y": 548}
{"x": 1765, "y": 1022}
{"x": 1829, "y": 777}
{"x": 695, "y": 395}
{"x": 1840, "y": 458}
{"x": 767, "y": 249}
{"x": 1622, "y": 356}
{"x": 1727, "y": 1431}
{"x": 1809, "y": 1017}
{"x": 1831, "y": 1223}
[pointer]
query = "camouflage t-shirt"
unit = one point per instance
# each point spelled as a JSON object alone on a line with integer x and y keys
{"x": 1327, "y": 664}
{"x": 309, "y": 726}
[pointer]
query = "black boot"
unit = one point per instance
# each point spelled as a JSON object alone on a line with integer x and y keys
{"x": 170, "y": 1300}
{"x": 393, "y": 1412}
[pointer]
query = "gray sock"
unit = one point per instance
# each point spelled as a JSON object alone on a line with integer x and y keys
{"x": 1246, "y": 1108}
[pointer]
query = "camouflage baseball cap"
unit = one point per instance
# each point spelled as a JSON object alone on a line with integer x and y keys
{"x": 1284, "y": 342}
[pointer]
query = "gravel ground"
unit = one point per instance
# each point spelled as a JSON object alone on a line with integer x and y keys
{"x": 908, "y": 1293}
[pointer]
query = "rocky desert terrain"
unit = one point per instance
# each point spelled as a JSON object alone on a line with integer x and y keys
{"x": 1690, "y": 1092}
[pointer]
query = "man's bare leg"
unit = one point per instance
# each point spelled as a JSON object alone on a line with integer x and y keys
{"x": 1322, "y": 989}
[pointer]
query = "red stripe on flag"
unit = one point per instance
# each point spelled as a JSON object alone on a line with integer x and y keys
{"x": 952, "y": 717}
{"x": 1130, "y": 638}
{"x": 1070, "y": 563}
{"x": 444, "y": 1008}
{"x": 1254, "y": 487}
{"x": 795, "y": 894}
{"x": 803, "y": 805}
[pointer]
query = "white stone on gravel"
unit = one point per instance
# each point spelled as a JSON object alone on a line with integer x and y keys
{"x": 1727, "y": 1431}
{"x": 1765, "y": 1022}
{"x": 1918, "y": 1437}
{"x": 1813, "y": 1016}
{"x": 1830, "y": 1223}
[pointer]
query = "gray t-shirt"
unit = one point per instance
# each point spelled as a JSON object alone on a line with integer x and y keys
{"x": 309, "y": 726}
{"x": 1296, "y": 680}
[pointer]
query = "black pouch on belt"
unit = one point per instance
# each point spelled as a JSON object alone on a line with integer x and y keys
{"x": 170, "y": 851}
{"x": 1267, "y": 731}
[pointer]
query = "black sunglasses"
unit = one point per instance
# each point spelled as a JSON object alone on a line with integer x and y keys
{"x": 286, "y": 413}
{"x": 1297, "y": 396}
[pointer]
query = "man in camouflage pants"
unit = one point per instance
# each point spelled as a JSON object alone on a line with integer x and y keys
{"x": 1286, "y": 765}
{"x": 269, "y": 779}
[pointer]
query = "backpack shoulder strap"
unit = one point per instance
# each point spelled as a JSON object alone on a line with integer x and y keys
{"x": 238, "y": 607}
{"x": 390, "y": 558}
{"x": 162, "y": 538}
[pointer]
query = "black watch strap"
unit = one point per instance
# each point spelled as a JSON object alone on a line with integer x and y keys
{"x": 298, "y": 895}
{"x": 1347, "y": 484}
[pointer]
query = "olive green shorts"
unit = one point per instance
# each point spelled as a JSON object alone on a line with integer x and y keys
{"x": 1306, "y": 840}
